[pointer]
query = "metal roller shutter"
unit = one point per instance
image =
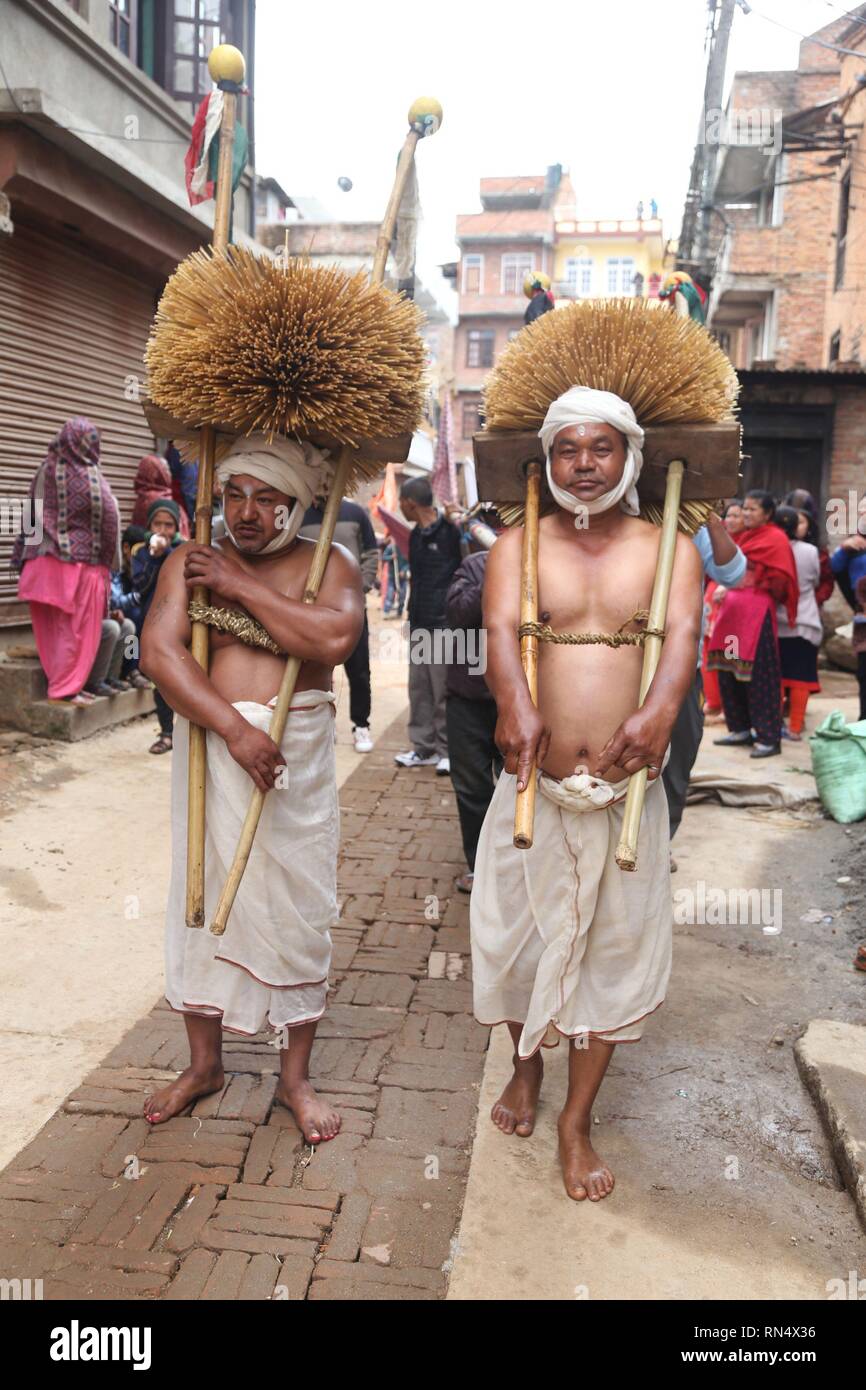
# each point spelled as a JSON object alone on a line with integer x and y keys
{"x": 71, "y": 333}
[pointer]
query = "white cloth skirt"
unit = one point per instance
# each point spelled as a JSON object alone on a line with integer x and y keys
{"x": 271, "y": 965}
{"x": 564, "y": 941}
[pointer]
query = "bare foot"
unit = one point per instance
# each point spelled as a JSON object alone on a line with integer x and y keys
{"x": 584, "y": 1173}
{"x": 316, "y": 1119}
{"x": 172, "y": 1099}
{"x": 514, "y": 1112}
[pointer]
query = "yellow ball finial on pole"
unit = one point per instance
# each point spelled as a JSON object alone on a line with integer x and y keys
{"x": 425, "y": 115}
{"x": 226, "y": 64}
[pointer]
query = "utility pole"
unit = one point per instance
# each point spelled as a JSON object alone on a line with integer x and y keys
{"x": 694, "y": 247}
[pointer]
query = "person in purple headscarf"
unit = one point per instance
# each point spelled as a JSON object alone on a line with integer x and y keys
{"x": 65, "y": 560}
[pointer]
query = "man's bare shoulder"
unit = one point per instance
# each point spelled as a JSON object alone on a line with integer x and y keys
{"x": 687, "y": 557}
{"x": 341, "y": 570}
{"x": 636, "y": 528}
{"x": 509, "y": 542}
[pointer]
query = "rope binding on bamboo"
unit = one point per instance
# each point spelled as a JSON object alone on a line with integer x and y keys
{"x": 545, "y": 633}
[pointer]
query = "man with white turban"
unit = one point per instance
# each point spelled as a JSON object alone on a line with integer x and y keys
{"x": 271, "y": 966}
{"x": 564, "y": 943}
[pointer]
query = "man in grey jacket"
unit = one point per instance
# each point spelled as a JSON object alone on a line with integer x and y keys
{"x": 354, "y": 530}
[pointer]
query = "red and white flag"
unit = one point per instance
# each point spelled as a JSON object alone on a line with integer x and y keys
{"x": 199, "y": 183}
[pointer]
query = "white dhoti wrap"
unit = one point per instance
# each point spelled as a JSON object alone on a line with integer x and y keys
{"x": 271, "y": 965}
{"x": 563, "y": 941}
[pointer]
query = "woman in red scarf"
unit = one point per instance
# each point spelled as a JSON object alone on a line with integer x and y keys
{"x": 744, "y": 647}
{"x": 153, "y": 484}
{"x": 732, "y": 516}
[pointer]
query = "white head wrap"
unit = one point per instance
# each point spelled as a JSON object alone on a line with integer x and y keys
{"x": 583, "y": 406}
{"x": 297, "y": 469}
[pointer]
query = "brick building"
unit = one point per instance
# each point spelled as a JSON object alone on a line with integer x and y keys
{"x": 513, "y": 234}
{"x": 845, "y": 310}
{"x": 772, "y": 201}
{"x": 788, "y": 266}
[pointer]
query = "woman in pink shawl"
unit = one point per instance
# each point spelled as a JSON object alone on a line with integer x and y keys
{"x": 65, "y": 564}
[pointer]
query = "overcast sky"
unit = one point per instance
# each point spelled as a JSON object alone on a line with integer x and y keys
{"x": 609, "y": 88}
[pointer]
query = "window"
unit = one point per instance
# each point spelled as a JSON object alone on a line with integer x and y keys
{"x": 620, "y": 275}
{"x": 122, "y": 20}
{"x": 479, "y": 347}
{"x": 472, "y": 420}
{"x": 473, "y": 275}
{"x": 842, "y": 228}
{"x": 515, "y": 265}
{"x": 195, "y": 29}
{"x": 835, "y": 347}
{"x": 770, "y": 197}
{"x": 578, "y": 276}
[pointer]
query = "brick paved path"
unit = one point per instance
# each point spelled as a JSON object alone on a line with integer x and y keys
{"x": 227, "y": 1202}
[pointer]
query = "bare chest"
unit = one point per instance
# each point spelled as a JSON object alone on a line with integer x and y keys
{"x": 593, "y": 589}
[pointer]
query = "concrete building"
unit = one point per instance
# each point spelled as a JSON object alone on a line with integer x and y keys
{"x": 95, "y": 115}
{"x": 601, "y": 258}
{"x": 513, "y": 234}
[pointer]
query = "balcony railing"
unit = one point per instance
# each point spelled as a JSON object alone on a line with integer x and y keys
{"x": 633, "y": 226}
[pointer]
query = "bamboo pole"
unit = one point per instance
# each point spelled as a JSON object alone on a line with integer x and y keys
{"x": 200, "y": 639}
{"x": 317, "y": 565}
{"x": 524, "y": 812}
{"x": 389, "y": 221}
{"x": 626, "y": 850}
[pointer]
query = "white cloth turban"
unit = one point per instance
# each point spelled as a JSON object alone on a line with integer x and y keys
{"x": 583, "y": 406}
{"x": 297, "y": 469}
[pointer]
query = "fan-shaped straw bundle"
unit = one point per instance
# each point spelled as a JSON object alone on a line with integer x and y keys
{"x": 286, "y": 347}
{"x": 667, "y": 368}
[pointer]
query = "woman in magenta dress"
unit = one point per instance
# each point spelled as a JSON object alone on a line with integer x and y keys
{"x": 66, "y": 562}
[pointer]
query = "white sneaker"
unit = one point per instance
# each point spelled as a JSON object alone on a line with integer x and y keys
{"x": 413, "y": 759}
{"x": 362, "y": 740}
{"x": 443, "y": 768}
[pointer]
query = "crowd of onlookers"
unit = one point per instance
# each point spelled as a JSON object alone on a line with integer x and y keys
{"x": 90, "y": 584}
{"x": 769, "y": 628}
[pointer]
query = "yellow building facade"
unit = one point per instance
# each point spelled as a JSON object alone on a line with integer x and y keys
{"x": 600, "y": 259}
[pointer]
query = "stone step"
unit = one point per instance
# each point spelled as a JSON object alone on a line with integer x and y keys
{"x": 73, "y": 722}
{"x": 23, "y": 704}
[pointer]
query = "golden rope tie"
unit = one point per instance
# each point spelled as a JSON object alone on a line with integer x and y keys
{"x": 545, "y": 633}
{"x": 240, "y": 625}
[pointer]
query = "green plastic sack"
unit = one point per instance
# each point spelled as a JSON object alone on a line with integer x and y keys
{"x": 839, "y": 765}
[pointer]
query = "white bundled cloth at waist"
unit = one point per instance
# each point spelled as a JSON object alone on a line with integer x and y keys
{"x": 271, "y": 966}
{"x": 563, "y": 941}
